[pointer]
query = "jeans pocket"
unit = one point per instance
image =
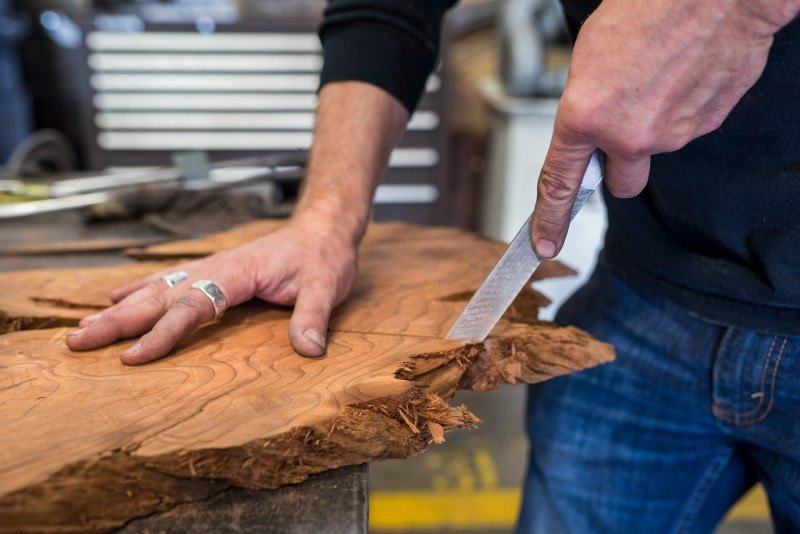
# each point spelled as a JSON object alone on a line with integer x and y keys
{"x": 745, "y": 374}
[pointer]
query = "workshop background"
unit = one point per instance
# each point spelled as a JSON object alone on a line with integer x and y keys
{"x": 124, "y": 89}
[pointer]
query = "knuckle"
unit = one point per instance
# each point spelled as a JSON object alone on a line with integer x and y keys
{"x": 187, "y": 301}
{"x": 555, "y": 186}
{"x": 578, "y": 115}
{"x": 582, "y": 123}
{"x": 635, "y": 146}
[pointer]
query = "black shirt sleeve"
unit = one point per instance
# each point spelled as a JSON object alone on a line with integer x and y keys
{"x": 392, "y": 44}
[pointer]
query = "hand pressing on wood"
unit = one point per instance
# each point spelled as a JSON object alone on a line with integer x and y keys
{"x": 305, "y": 264}
{"x": 311, "y": 263}
{"x": 648, "y": 77}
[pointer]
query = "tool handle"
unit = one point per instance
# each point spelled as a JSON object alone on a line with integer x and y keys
{"x": 591, "y": 179}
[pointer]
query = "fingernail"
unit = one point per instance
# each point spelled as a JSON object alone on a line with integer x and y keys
{"x": 91, "y": 318}
{"x": 77, "y": 332}
{"x": 133, "y": 350}
{"x": 314, "y": 337}
{"x": 545, "y": 248}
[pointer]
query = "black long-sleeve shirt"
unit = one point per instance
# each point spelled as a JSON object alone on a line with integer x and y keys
{"x": 389, "y": 43}
{"x": 717, "y": 229}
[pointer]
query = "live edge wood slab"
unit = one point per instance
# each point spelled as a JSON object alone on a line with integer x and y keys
{"x": 89, "y": 444}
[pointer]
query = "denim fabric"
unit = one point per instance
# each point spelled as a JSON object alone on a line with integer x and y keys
{"x": 671, "y": 434}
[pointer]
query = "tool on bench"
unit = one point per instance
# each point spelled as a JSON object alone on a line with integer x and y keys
{"x": 514, "y": 269}
{"x": 191, "y": 172}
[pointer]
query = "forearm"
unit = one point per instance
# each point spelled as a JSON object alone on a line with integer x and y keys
{"x": 357, "y": 127}
{"x": 377, "y": 56}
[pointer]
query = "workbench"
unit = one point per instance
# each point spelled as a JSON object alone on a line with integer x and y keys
{"x": 332, "y": 502}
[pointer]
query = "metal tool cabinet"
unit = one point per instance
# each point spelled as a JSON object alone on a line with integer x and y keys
{"x": 141, "y": 84}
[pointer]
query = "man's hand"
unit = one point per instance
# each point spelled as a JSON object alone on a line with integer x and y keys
{"x": 311, "y": 263}
{"x": 306, "y": 264}
{"x": 648, "y": 77}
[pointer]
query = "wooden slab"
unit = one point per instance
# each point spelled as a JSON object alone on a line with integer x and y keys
{"x": 88, "y": 444}
{"x": 61, "y": 297}
{"x": 393, "y": 232}
{"x": 76, "y": 246}
{"x": 448, "y": 240}
{"x": 413, "y": 281}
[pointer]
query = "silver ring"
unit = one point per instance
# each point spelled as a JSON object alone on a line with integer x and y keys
{"x": 175, "y": 278}
{"x": 214, "y": 294}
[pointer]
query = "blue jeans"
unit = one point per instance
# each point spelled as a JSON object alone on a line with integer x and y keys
{"x": 671, "y": 434}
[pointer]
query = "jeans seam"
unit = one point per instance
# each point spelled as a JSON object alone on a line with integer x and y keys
{"x": 703, "y": 489}
{"x": 773, "y": 381}
{"x": 740, "y": 419}
{"x": 730, "y": 416}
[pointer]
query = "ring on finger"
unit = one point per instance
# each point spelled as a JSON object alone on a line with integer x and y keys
{"x": 177, "y": 277}
{"x": 214, "y": 294}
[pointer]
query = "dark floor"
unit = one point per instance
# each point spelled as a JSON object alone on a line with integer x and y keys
{"x": 471, "y": 483}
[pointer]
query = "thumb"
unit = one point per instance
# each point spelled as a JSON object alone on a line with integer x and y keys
{"x": 309, "y": 325}
{"x": 559, "y": 181}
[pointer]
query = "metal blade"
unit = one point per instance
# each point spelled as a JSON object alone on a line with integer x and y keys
{"x": 513, "y": 270}
{"x": 51, "y": 205}
{"x": 499, "y": 289}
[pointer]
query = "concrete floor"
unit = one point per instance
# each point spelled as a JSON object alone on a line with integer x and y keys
{"x": 471, "y": 483}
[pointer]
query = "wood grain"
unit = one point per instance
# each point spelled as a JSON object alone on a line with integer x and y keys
{"x": 61, "y": 297}
{"x": 413, "y": 280}
{"x": 89, "y": 444}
